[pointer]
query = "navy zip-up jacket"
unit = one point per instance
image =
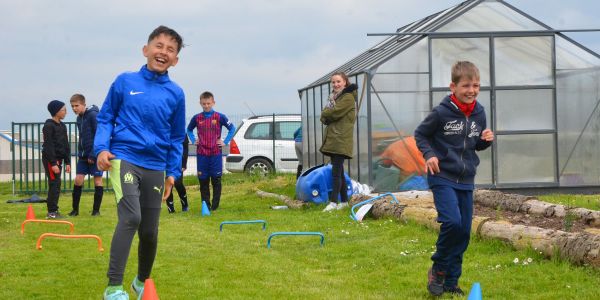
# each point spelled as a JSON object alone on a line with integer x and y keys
{"x": 453, "y": 138}
{"x": 86, "y": 124}
{"x": 142, "y": 121}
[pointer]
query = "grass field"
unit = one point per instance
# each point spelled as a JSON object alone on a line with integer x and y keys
{"x": 376, "y": 259}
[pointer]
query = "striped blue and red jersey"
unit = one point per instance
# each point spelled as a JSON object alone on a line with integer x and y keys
{"x": 208, "y": 126}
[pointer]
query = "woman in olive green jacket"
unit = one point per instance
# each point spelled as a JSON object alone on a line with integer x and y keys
{"x": 339, "y": 115}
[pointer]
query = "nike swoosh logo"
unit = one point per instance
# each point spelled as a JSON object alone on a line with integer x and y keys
{"x": 135, "y": 93}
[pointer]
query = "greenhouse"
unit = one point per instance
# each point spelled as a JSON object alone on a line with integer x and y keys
{"x": 540, "y": 89}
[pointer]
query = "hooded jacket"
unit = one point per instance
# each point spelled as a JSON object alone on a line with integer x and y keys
{"x": 339, "y": 134}
{"x": 142, "y": 121}
{"x": 86, "y": 124}
{"x": 55, "y": 147}
{"x": 453, "y": 138}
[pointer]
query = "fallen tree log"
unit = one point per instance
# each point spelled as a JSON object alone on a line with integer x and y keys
{"x": 287, "y": 200}
{"x": 579, "y": 248}
{"x": 531, "y": 205}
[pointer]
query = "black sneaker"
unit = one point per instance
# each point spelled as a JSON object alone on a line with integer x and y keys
{"x": 454, "y": 290}
{"x": 435, "y": 282}
{"x": 95, "y": 213}
{"x": 74, "y": 213}
{"x": 54, "y": 215}
{"x": 170, "y": 208}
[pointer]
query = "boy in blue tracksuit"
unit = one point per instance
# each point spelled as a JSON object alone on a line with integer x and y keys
{"x": 448, "y": 139}
{"x": 140, "y": 133}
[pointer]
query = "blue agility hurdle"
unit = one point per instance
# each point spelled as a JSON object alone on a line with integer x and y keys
{"x": 244, "y": 222}
{"x": 295, "y": 233}
{"x": 353, "y": 214}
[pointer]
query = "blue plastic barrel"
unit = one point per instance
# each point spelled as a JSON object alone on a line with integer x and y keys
{"x": 314, "y": 184}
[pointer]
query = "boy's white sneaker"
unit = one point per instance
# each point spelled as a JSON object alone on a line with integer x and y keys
{"x": 342, "y": 205}
{"x": 331, "y": 206}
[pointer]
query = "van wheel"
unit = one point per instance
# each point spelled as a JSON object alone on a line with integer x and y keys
{"x": 258, "y": 166}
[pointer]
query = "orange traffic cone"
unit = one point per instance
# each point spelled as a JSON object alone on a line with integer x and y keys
{"x": 30, "y": 215}
{"x": 149, "y": 290}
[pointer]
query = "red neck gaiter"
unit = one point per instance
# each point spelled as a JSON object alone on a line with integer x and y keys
{"x": 466, "y": 108}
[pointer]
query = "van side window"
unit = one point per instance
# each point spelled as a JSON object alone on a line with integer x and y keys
{"x": 259, "y": 131}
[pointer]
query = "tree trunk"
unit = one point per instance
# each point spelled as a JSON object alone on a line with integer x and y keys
{"x": 287, "y": 200}
{"x": 531, "y": 205}
{"x": 579, "y": 248}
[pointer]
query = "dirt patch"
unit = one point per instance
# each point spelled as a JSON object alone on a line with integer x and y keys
{"x": 569, "y": 223}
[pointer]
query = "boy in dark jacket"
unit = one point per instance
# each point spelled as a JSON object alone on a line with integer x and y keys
{"x": 141, "y": 128}
{"x": 55, "y": 150}
{"x": 86, "y": 162}
{"x": 448, "y": 139}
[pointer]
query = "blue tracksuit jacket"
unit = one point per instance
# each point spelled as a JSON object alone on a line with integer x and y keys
{"x": 142, "y": 121}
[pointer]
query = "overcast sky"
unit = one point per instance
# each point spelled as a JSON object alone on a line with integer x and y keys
{"x": 254, "y": 54}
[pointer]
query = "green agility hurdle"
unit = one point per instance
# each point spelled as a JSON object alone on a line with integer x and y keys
{"x": 264, "y": 226}
{"x": 294, "y": 233}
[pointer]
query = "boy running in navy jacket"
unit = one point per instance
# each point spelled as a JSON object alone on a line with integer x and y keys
{"x": 140, "y": 133}
{"x": 210, "y": 158}
{"x": 448, "y": 139}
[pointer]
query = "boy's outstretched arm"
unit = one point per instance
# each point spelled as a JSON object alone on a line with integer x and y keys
{"x": 231, "y": 129}
{"x": 423, "y": 135}
{"x": 487, "y": 137}
{"x": 190, "y": 129}
{"x": 169, "y": 183}
{"x": 178, "y": 133}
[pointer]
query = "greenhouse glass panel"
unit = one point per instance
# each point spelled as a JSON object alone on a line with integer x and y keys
{"x": 571, "y": 56}
{"x": 484, "y": 170}
{"x": 305, "y": 135}
{"x": 446, "y": 52}
{"x": 311, "y": 133}
{"x": 394, "y": 117}
{"x": 490, "y": 16}
{"x": 398, "y": 111}
{"x": 523, "y": 61}
{"x": 437, "y": 99}
{"x": 526, "y": 158}
{"x": 351, "y": 166}
{"x": 363, "y": 133}
{"x": 578, "y": 96}
{"x": 400, "y": 82}
{"x": 319, "y": 104}
{"x": 413, "y": 59}
{"x": 535, "y": 110}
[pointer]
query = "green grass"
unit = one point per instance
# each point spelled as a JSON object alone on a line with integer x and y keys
{"x": 585, "y": 201}
{"x": 377, "y": 259}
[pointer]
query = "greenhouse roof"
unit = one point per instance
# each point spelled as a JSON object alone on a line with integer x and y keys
{"x": 476, "y": 16}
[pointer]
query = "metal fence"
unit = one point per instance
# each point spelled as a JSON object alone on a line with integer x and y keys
{"x": 265, "y": 142}
{"x": 28, "y": 175}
